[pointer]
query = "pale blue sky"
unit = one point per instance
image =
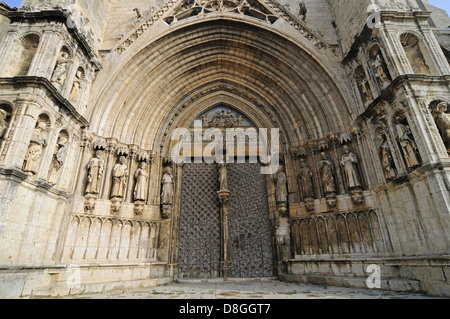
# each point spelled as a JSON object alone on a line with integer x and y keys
{"x": 13, "y": 3}
{"x": 444, "y": 4}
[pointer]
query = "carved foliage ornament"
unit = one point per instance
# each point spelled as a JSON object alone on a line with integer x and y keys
{"x": 252, "y": 8}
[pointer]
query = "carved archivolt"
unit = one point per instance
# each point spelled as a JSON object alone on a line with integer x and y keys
{"x": 265, "y": 10}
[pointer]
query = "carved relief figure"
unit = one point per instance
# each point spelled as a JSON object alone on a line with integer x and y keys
{"x": 363, "y": 85}
{"x": 141, "y": 176}
{"x": 407, "y": 144}
{"x": 349, "y": 162}
{"x": 442, "y": 123}
{"x": 326, "y": 174}
{"x": 281, "y": 187}
{"x": 302, "y": 10}
{"x": 386, "y": 158}
{"x": 120, "y": 175}
{"x": 228, "y": 119}
{"x": 95, "y": 167}
{"x": 167, "y": 188}
{"x": 34, "y": 153}
{"x": 58, "y": 161}
{"x": 379, "y": 68}
{"x": 76, "y": 88}
{"x": 223, "y": 177}
{"x": 306, "y": 180}
{"x": 215, "y": 122}
{"x": 3, "y": 122}
{"x": 60, "y": 72}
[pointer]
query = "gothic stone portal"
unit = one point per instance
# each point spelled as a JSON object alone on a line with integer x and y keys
{"x": 248, "y": 222}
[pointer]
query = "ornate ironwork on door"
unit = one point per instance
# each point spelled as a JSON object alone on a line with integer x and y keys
{"x": 249, "y": 235}
{"x": 250, "y": 244}
{"x": 199, "y": 247}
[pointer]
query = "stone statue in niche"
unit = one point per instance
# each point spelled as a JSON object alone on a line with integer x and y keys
{"x": 76, "y": 88}
{"x": 58, "y": 161}
{"x": 167, "y": 187}
{"x": 327, "y": 175}
{"x": 386, "y": 158}
{"x": 141, "y": 188}
{"x": 120, "y": 175}
{"x": 3, "y": 123}
{"x": 306, "y": 180}
{"x": 223, "y": 177}
{"x": 379, "y": 68}
{"x": 34, "y": 153}
{"x": 349, "y": 162}
{"x": 281, "y": 186}
{"x": 302, "y": 10}
{"x": 60, "y": 72}
{"x": 442, "y": 123}
{"x": 407, "y": 143}
{"x": 95, "y": 168}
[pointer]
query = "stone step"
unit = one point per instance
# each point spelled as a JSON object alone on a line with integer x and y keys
{"x": 91, "y": 288}
{"x": 393, "y": 284}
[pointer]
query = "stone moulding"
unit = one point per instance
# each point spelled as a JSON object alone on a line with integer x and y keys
{"x": 277, "y": 9}
{"x": 58, "y": 16}
{"x": 40, "y": 82}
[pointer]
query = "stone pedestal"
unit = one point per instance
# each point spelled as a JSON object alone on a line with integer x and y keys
{"x": 331, "y": 201}
{"x": 139, "y": 207}
{"x": 116, "y": 205}
{"x": 282, "y": 209}
{"x": 166, "y": 211}
{"x": 357, "y": 196}
{"x": 89, "y": 203}
{"x": 309, "y": 205}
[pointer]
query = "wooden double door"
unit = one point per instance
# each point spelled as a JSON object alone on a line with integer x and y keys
{"x": 249, "y": 231}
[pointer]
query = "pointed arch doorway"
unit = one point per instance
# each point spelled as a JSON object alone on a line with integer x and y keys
{"x": 224, "y": 237}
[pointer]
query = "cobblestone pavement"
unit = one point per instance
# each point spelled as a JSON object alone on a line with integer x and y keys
{"x": 265, "y": 289}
